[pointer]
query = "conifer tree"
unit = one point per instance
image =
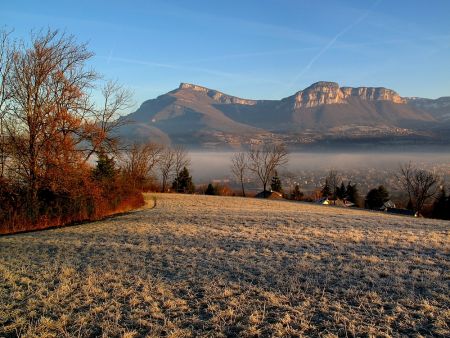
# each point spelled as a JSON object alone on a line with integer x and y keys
{"x": 326, "y": 191}
{"x": 377, "y": 197}
{"x": 341, "y": 191}
{"x": 276, "y": 183}
{"x": 351, "y": 193}
{"x": 296, "y": 194}
{"x": 440, "y": 206}
{"x": 105, "y": 170}
{"x": 183, "y": 182}
{"x": 210, "y": 190}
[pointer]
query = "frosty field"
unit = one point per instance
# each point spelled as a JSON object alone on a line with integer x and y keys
{"x": 222, "y": 266}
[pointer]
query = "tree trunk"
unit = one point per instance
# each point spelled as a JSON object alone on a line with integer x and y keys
{"x": 2, "y": 149}
{"x": 163, "y": 184}
{"x": 243, "y": 191}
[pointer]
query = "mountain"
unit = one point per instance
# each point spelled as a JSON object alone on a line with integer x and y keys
{"x": 188, "y": 115}
{"x": 323, "y": 113}
{"x": 439, "y": 108}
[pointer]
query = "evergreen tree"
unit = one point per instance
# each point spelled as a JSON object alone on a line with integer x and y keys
{"x": 341, "y": 191}
{"x": 326, "y": 191}
{"x": 440, "y": 206}
{"x": 377, "y": 197}
{"x": 296, "y": 194}
{"x": 384, "y": 194}
{"x": 210, "y": 190}
{"x": 105, "y": 170}
{"x": 351, "y": 193}
{"x": 276, "y": 183}
{"x": 183, "y": 182}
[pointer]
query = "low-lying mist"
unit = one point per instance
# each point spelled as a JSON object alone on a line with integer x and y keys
{"x": 207, "y": 166}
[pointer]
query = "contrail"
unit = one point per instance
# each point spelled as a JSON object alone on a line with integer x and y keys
{"x": 111, "y": 53}
{"x": 332, "y": 42}
{"x": 248, "y": 55}
{"x": 191, "y": 69}
{"x": 170, "y": 66}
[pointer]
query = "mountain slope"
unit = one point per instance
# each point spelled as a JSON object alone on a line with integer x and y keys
{"x": 199, "y": 116}
{"x": 324, "y": 105}
{"x": 188, "y": 115}
{"x": 439, "y": 108}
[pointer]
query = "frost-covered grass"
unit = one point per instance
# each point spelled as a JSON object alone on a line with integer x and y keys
{"x": 218, "y": 266}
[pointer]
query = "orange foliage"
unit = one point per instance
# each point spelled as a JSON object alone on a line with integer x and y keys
{"x": 82, "y": 199}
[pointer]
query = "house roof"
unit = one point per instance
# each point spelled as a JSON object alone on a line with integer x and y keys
{"x": 399, "y": 211}
{"x": 388, "y": 204}
{"x": 269, "y": 194}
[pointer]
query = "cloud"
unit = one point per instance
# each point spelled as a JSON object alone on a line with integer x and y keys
{"x": 249, "y": 55}
{"x": 169, "y": 66}
{"x": 181, "y": 67}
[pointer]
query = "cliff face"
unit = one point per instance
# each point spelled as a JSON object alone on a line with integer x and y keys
{"x": 216, "y": 95}
{"x": 373, "y": 94}
{"x": 322, "y": 93}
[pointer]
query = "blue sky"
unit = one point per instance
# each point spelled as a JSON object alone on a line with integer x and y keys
{"x": 254, "y": 49}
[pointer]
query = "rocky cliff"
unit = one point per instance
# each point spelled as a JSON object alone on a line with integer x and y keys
{"x": 323, "y": 93}
{"x": 216, "y": 95}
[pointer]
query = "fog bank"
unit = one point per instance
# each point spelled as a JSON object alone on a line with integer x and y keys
{"x": 207, "y": 166}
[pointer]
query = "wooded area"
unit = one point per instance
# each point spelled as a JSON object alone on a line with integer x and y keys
{"x": 52, "y": 132}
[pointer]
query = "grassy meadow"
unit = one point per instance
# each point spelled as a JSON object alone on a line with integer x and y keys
{"x": 225, "y": 267}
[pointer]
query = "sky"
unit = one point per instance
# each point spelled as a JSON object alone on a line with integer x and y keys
{"x": 260, "y": 49}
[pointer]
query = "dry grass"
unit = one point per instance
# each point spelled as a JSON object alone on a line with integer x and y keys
{"x": 218, "y": 266}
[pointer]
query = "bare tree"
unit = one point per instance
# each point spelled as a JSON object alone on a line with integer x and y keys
{"x": 105, "y": 120}
{"x": 239, "y": 168}
{"x": 181, "y": 158}
{"x": 264, "y": 160}
{"x": 140, "y": 161}
{"x": 420, "y": 185}
{"x": 6, "y": 61}
{"x": 166, "y": 165}
{"x": 333, "y": 183}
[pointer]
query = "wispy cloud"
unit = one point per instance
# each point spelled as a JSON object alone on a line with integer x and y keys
{"x": 170, "y": 66}
{"x": 216, "y": 73}
{"x": 332, "y": 42}
{"x": 442, "y": 39}
{"x": 243, "y": 26}
{"x": 250, "y": 55}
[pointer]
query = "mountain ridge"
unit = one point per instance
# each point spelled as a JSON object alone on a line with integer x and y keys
{"x": 205, "y": 117}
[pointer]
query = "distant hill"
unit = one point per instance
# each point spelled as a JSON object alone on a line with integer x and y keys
{"x": 322, "y": 113}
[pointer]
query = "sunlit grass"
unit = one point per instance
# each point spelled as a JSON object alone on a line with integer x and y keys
{"x": 217, "y": 266}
